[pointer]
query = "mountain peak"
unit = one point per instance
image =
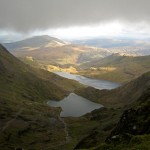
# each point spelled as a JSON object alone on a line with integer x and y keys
{"x": 44, "y": 37}
{"x": 35, "y": 41}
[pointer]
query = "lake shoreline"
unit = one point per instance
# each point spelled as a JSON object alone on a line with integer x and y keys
{"x": 95, "y": 83}
{"x": 74, "y": 105}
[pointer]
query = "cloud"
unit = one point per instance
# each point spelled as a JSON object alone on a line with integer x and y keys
{"x": 28, "y": 15}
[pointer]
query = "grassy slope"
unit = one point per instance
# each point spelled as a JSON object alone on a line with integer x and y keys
{"x": 124, "y": 136}
{"x": 34, "y": 130}
{"x": 131, "y": 132}
{"x": 119, "y": 97}
{"x": 125, "y": 68}
{"x": 44, "y": 50}
{"x": 92, "y": 129}
{"x": 21, "y": 77}
{"x": 25, "y": 119}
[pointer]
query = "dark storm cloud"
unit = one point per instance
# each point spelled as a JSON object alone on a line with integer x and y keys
{"x": 25, "y": 15}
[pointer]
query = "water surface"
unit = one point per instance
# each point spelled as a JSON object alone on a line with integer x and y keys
{"x": 98, "y": 84}
{"x": 74, "y": 105}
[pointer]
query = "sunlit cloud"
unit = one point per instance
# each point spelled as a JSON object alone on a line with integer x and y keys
{"x": 101, "y": 30}
{"x": 75, "y": 19}
{"x": 107, "y": 30}
{"x": 111, "y": 29}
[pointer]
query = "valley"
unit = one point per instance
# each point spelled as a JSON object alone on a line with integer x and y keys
{"x": 113, "y": 64}
{"x": 74, "y": 75}
{"x": 25, "y": 118}
{"x": 43, "y": 72}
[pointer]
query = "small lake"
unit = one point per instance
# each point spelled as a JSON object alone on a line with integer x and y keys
{"x": 74, "y": 106}
{"x": 98, "y": 84}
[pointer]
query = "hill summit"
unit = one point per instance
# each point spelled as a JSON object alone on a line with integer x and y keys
{"x": 36, "y": 42}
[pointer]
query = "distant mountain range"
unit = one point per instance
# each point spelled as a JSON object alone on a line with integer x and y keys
{"x": 115, "y": 64}
{"x": 50, "y": 50}
{"x": 119, "y": 45}
{"x": 113, "y": 42}
{"x": 27, "y": 122}
{"x": 54, "y": 51}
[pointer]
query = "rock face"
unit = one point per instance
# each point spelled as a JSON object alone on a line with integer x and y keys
{"x": 134, "y": 121}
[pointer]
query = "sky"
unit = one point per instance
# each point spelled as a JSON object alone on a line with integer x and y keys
{"x": 74, "y": 19}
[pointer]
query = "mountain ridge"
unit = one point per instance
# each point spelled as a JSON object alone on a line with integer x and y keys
{"x": 116, "y": 67}
{"x": 125, "y": 127}
{"x": 46, "y": 51}
{"x": 26, "y": 121}
{"x": 36, "y": 41}
{"x": 120, "y": 96}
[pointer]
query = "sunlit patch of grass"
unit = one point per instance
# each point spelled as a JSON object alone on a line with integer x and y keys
{"x": 120, "y": 69}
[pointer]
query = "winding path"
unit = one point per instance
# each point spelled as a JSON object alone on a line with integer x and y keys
{"x": 67, "y": 137}
{"x": 66, "y": 129}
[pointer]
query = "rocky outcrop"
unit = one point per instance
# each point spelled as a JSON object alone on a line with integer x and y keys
{"x": 134, "y": 121}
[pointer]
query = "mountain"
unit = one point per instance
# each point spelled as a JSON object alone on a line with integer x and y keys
{"x": 26, "y": 121}
{"x": 116, "y": 68}
{"x": 18, "y": 72}
{"x": 114, "y": 64}
{"x": 118, "y": 97}
{"x": 134, "y": 121}
{"x": 34, "y": 42}
{"x": 127, "y": 46}
{"x": 114, "y": 42}
{"x": 106, "y": 42}
{"x": 132, "y": 50}
{"x": 125, "y": 127}
{"x": 51, "y": 51}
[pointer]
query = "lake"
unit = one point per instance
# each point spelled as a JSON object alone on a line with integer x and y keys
{"x": 98, "y": 84}
{"x": 74, "y": 105}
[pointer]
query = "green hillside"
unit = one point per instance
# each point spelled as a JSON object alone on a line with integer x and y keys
{"x": 119, "y": 97}
{"x": 25, "y": 119}
{"x": 27, "y": 122}
{"x": 45, "y": 51}
{"x": 125, "y": 127}
{"x": 116, "y": 68}
{"x": 90, "y": 131}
